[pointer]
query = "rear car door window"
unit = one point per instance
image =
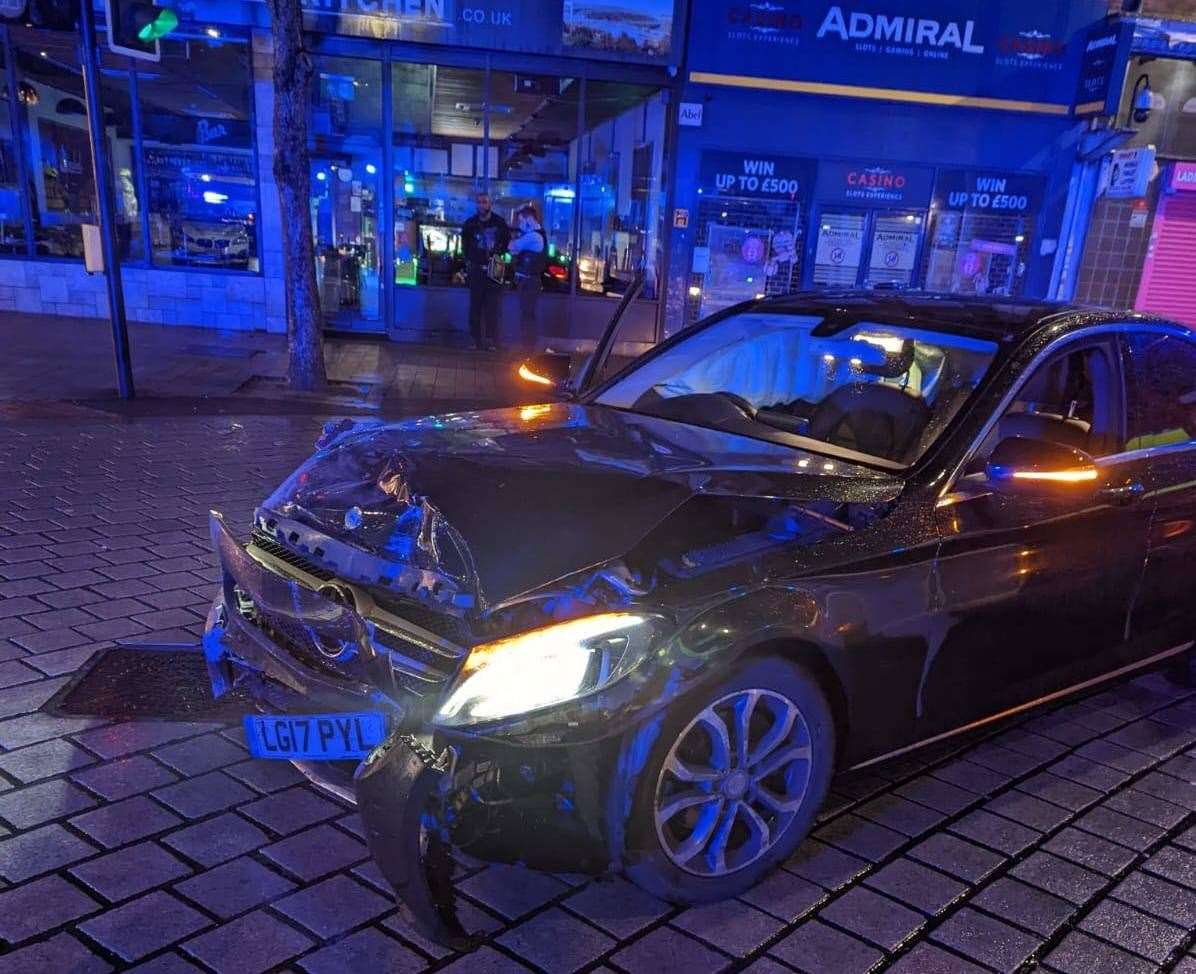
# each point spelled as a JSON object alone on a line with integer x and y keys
{"x": 1161, "y": 389}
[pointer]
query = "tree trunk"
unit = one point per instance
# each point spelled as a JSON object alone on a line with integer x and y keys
{"x": 292, "y": 174}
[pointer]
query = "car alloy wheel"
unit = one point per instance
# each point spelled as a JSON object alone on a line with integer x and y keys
{"x": 732, "y": 782}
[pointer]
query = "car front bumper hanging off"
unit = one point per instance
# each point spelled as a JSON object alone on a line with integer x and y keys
{"x": 398, "y": 789}
{"x": 398, "y": 786}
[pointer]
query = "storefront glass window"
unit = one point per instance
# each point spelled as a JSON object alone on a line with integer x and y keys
{"x": 980, "y": 234}
{"x": 748, "y": 229}
{"x": 197, "y": 135}
{"x": 535, "y": 159}
{"x": 457, "y": 131}
{"x": 12, "y": 221}
{"x": 346, "y": 161}
{"x": 440, "y": 160}
{"x": 621, "y": 157}
{"x": 53, "y": 115}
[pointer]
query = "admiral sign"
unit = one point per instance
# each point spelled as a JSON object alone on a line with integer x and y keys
{"x": 1021, "y": 54}
{"x": 1102, "y": 65}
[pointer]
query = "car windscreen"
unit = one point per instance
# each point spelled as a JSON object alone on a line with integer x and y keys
{"x": 874, "y": 389}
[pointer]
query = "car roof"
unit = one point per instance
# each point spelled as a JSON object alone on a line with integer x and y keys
{"x": 1002, "y": 320}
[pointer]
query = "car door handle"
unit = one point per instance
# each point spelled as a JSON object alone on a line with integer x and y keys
{"x": 1123, "y": 494}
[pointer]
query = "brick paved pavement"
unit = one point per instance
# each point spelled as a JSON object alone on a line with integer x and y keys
{"x": 50, "y": 357}
{"x": 1067, "y": 839}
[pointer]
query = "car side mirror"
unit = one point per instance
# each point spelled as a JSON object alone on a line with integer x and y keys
{"x": 548, "y": 372}
{"x": 1020, "y": 465}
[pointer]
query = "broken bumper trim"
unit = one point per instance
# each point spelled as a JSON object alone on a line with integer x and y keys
{"x": 397, "y": 786}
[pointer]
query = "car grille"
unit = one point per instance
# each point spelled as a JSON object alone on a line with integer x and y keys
{"x": 271, "y": 547}
{"x": 404, "y": 662}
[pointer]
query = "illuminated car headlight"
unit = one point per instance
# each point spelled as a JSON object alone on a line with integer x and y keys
{"x": 548, "y": 666}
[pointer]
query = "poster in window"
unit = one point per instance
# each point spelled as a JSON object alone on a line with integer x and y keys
{"x": 894, "y": 250}
{"x": 840, "y": 246}
{"x": 619, "y": 26}
{"x": 737, "y": 270}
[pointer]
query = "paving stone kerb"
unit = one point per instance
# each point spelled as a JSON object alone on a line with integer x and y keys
{"x": 1065, "y": 839}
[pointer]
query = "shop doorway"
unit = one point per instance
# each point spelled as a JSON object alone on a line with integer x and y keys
{"x": 346, "y": 190}
{"x": 867, "y": 248}
{"x": 345, "y": 228}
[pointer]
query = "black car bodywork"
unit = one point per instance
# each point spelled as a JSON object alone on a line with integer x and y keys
{"x": 920, "y": 600}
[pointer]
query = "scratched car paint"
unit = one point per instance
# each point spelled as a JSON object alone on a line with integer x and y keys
{"x": 636, "y": 631}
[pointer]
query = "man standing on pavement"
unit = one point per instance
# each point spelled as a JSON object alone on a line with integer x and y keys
{"x": 485, "y": 236}
{"x": 530, "y": 250}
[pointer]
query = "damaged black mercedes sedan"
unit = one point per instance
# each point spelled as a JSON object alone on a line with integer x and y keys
{"x": 638, "y": 630}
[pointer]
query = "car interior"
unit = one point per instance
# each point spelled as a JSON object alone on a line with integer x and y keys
{"x": 879, "y": 390}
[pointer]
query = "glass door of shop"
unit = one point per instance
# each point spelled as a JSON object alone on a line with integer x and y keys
{"x": 345, "y": 228}
{"x": 867, "y": 248}
{"x": 346, "y": 187}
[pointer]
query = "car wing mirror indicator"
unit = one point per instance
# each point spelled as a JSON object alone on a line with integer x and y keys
{"x": 1020, "y": 465}
{"x": 548, "y": 372}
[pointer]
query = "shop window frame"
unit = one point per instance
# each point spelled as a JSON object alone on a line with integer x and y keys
{"x": 390, "y": 52}
{"x": 144, "y": 261}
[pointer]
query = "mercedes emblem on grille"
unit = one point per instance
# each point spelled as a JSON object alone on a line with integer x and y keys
{"x": 353, "y": 518}
{"x": 340, "y": 594}
{"x": 328, "y": 643}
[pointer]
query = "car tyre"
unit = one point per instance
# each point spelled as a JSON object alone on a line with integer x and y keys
{"x": 714, "y": 810}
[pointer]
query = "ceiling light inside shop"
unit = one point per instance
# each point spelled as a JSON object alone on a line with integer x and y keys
{"x": 43, "y": 53}
{"x": 1020, "y": 238}
{"x": 213, "y": 33}
{"x": 211, "y": 196}
{"x": 371, "y": 168}
{"x": 206, "y": 177}
{"x": 695, "y": 291}
{"x": 321, "y": 175}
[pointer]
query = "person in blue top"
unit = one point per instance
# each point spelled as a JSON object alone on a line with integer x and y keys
{"x": 530, "y": 251}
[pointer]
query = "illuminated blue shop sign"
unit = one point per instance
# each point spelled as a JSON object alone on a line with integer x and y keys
{"x": 754, "y": 174}
{"x": 638, "y": 30}
{"x": 1011, "y": 194}
{"x": 1106, "y": 50}
{"x": 874, "y": 184}
{"x": 1017, "y": 54}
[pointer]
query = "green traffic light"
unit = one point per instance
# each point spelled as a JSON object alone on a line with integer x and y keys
{"x": 166, "y": 21}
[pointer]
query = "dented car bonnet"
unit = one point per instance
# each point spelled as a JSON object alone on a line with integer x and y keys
{"x": 470, "y": 510}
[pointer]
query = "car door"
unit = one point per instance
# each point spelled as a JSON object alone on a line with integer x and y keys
{"x": 1034, "y": 590}
{"x": 1160, "y": 366}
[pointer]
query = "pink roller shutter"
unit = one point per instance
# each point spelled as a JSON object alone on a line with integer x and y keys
{"x": 1168, "y": 285}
